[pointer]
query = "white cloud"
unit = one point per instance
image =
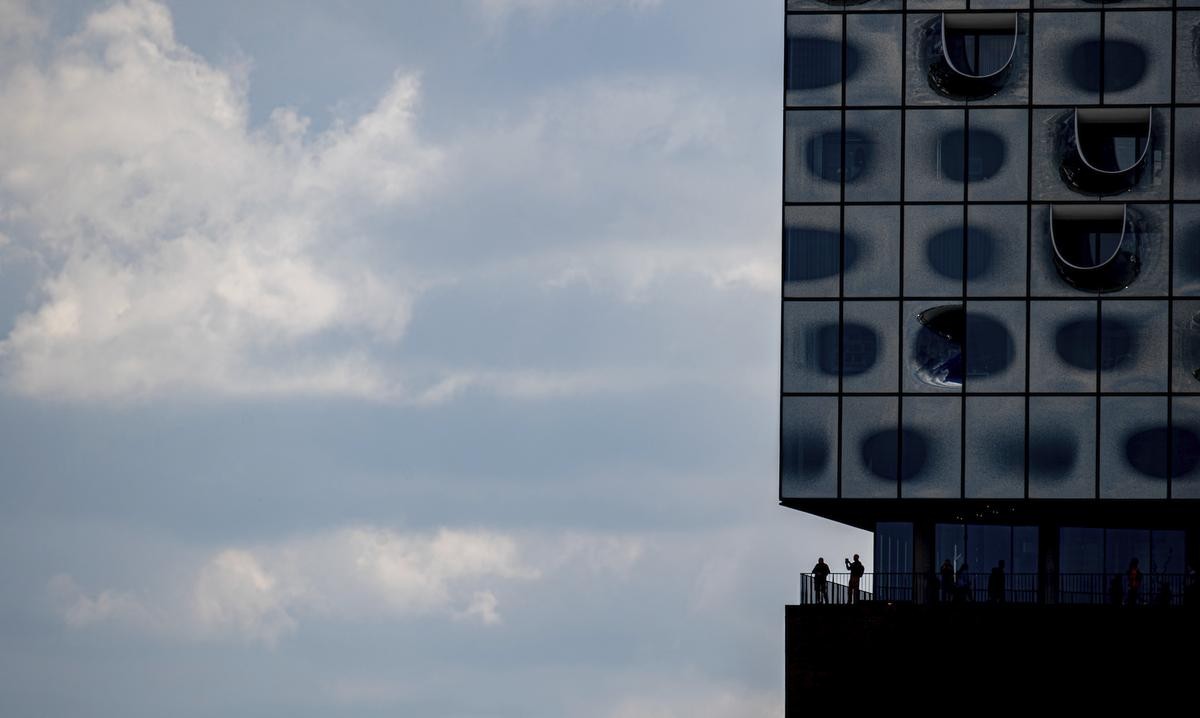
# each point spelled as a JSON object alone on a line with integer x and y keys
{"x": 261, "y": 594}
{"x": 191, "y": 250}
{"x": 185, "y": 252}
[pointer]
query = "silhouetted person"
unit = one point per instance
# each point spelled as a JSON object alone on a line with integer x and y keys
{"x": 1133, "y": 580}
{"x": 996, "y": 584}
{"x": 1116, "y": 590}
{"x": 947, "y": 581}
{"x": 820, "y": 574}
{"x": 856, "y": 570}
{"x": 962, "y": 585}
{"x": 1190, "y": 587}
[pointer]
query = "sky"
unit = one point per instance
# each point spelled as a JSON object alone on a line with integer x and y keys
{"x": 393, "y": 359}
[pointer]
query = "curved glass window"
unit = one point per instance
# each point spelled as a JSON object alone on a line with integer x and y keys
{"x": 1095, "y": 246}
{"x": 973, "y": 54}
{"x": 1106, "y": 148}
{"x": 938, "y": 347}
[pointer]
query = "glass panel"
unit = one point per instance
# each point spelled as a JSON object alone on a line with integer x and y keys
{"x": 933, "y": 336}
{"x": 933, "y": 251}
{"x": 1150, "y": 222}
{"x": 814, "y": 60}
{"x": 937, "y": 4}
{"x": 995, "y": 447}
{"x": 1185, "y": 447}
{"x": 931, "y": 465}
{"x": 1062, "y": 346}
{"x": 996, "y": 249}
{"x": 1187, "y": 70}
{"x": 832, "y": 5}
{"x": 1185, "y": 365}
{"x": 872, "y": 251}
{"x": 1081, "y": 566}
{"x": 1187, "y": 169}
{"x": 1186, "y": 245}
{"x": 808, "y": 447}
{"x": 997, "y": 158}
{"x": 935, "y": 155}
{"x": 1137, "y": 63}
{"x": 869, "y": 452}
{"x": 1133, "y": 447}
{"x": 1167, "y": 552}
{"x": 870, "y": 335}
{"x": 1155, "y": 183}
{"x": 1133, "y": 345}
{"x": 1062, "y": 447}
{"x": 812, "y": 251}
{"x": 873, "y": 155}
{"x": 1025, "y": 549}
{"x": 1066, "y": 53}
{"x": 995, "y": 349}
{"x": 893, "y": 561}
{"x": 810, "y": 346}
{"x": 1051, "y": 131}
{"x": 989, "y": 548}
{"x": 873, "y": 77}
{"x": 813, "y": 151}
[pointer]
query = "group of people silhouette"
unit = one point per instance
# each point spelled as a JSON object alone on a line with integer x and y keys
{"x": 952, "y": 585}
{"x": 821, "y": 573}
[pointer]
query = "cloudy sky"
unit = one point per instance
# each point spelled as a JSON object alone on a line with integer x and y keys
{"x": 392, "y": 358}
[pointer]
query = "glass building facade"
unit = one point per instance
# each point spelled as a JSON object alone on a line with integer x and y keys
{"x": 991, "y": 274}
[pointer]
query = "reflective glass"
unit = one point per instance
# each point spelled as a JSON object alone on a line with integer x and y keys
{"x": 995, "y": 349}
{"x": 1185, "y": 447}
{"x": 874, "y": 43}
{"x": 1133, "y": 345}
{"x": 871, "y": 346}
{"x": 812, "y": 251}
{"x": 934, "y": 332}
{"x": 1062, "y": 346}
{"x": 931, "y": 447}
{"x": 995, "y": 449}
{"x": 1187, "y": 167}
{"x": 1066, "y": 53}
{"x": 997, "y": 155}
{"x": 872, "y": 251}
{"x": 814, "y": 60}
{"x": 1185, "y": 364}
{"x": 808, "y": 447}
{"x": 1133, "y": 447}
{"x": 1062, "y": 447}
{"x": 810, "y": 346}
{"x": 996, "y": 249}
{"x": 1137, "y": 63}
{"x": 872, "y": 155}
{"x": 935, "y": 155}
{"x": 1186, "y": 245}
{"x": 812, "y": 145}
{"x": 933, "y": 251}
{"x": 869, "y": 446}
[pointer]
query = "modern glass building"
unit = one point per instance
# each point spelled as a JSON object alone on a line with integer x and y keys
{"x": 991, "y": 286}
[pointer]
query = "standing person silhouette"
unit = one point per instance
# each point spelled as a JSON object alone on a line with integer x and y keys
{"x": 856, "y": 570}
{"x": 996, "y": 583}
{"x": 1133, "y": 579}
{"x": 820, "y": 574}
{"x": 947, "y": 581}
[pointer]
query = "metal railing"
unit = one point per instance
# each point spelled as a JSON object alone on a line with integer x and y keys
{"x": 1158, "y": 589}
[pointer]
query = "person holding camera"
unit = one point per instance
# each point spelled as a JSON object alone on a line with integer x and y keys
{"x": 856, "y": 570}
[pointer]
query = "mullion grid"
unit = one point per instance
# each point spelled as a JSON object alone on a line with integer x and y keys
{"x": 1031, "y": 13}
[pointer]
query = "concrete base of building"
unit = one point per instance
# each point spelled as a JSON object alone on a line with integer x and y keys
{"x": 877, "y": 652}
